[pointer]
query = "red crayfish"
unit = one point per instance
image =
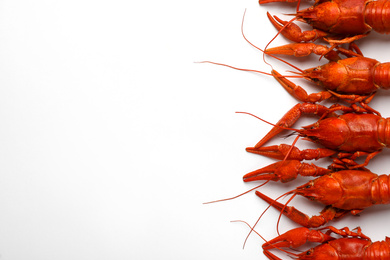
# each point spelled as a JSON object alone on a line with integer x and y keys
{"x": 354, "y": 79}
{"x": 342, "y": 192}
{"x": 347, "y": 19}
{"x": 350, "y": 245}
{"x": 347, "y": 136}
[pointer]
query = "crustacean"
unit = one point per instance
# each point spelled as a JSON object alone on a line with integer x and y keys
{"x": 343, "y": 245}
{"x": 340, "y": 21}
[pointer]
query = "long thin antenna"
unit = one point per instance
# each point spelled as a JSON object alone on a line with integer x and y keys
{"x": 281, "y": 249}
{"x": 239, "y": 195}
{"x": 263, "y": 51}
{"x": 285, "y": 128}
{"x": 252, "y": 229}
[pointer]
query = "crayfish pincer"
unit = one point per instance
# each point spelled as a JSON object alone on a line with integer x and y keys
{"x": 346, "y": 136}
{"x": 285, "y": 171}
{"x": 347, "y": 245}
{"x": 345, "y": 20}
{"x": 342, "y": 192}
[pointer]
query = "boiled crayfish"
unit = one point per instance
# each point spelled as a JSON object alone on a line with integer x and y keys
{"x": 347, "y": 20}
{"x": 353, "y": 79}
{"x": 342, "y": 192}
{"x": 349, "y": 245}
{"x": 346, "y": 137}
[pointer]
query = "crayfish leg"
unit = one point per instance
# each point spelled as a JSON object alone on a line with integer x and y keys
{"x": 345, "y": 40}
{"x": 347, "y": 160}
{"x": 345, "y": 232}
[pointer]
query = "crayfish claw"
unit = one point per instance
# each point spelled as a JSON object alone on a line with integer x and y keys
{"x": 294, "y": 239}
{"x": 270, "y": 255}
{"x": 298, "y": 49}
{"x": 297, "y": 237}
{"x": 278, "y": 152}
{"x": 293, "y": 32}
{"x": 283, "y": 171}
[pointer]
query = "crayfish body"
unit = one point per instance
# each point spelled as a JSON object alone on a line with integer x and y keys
{"x": 348, "y": 136}
{"x": 349, "y": 246}
{"x": 348, "y": 19}
{"x": 353, "y": 79}
{"x": 357, "y": 75}
{"x": 342, "y": 192}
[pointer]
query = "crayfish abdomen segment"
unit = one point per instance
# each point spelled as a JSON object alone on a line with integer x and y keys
{"x": 384, "y": 131}
{"x": 378, "y": 250}
{"x": 377, "y": 15}
{"x": 381, "y": 74}
{"x": 380, "y": 190}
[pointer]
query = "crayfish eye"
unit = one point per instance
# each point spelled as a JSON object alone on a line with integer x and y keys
{"x": 308, "y": 186}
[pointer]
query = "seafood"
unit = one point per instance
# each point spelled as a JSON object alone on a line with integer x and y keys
{"x": 342, "y": 192}
{"x": 347, "y": 245}
{"x": 346, "y": 137}
{"x": 285, "y": 171}
{"x": 354, "y": 79}
{"x": 339, "y": 21}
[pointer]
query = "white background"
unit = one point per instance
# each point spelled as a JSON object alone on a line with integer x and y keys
{"x": 111, "y": 136}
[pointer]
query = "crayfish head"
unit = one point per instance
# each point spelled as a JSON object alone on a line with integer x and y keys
{"x": 322, "y": 16}
{"x": 324, "y": 189}
{"x": 315, "y": 75}
{"x": 330, "y": 76}
{"x": 321, "y": 252}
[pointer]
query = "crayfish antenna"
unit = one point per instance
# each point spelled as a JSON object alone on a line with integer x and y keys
{"x": 265, "y": 121}
{"x": 239, "y": 195}
{"x": 264, "y": 51}
{"x": 246, "y": 39}
{"x": 270, "y": 201}
{"x": 232, "y": 67}
{"x": 249, "y": 70}
{"x": 277, "y": 34}
{"x": 280, "y": 215}
{"x": 298, "y": 5}
{"x": 291, "y": 148}
{"x": 265, "y": 240}
{"x": 251, "y": 228}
